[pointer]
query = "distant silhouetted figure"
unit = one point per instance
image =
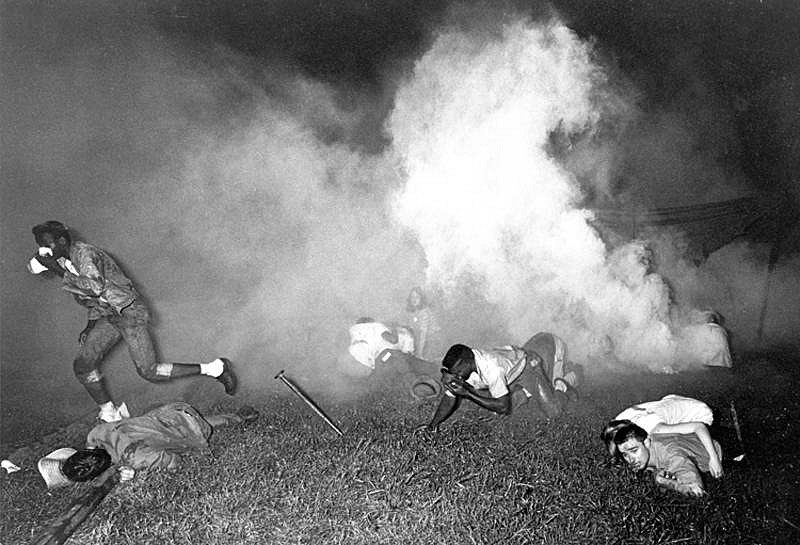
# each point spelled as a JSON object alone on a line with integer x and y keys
{"x": 422, "y": 320}
{"x": 116, "y": 312}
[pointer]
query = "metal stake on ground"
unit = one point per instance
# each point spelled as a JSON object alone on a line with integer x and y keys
{"x": 302, "y": 395}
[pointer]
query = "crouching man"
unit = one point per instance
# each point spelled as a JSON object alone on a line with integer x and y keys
{"x": 497, "y": 379}
{"x": 677, "y": 461}
{"x": 152, "y": 441}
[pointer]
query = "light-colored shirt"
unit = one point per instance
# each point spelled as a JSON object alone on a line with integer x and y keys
{"x": 671, "y": 409}
{"x": 367, "y": 341}
{"x": 497, "y": 368}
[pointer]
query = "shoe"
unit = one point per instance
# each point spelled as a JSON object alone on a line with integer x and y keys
{"x": 571, "y": 392}
{"x": 114, "y": 415}
{"x": 545, "y": 395}
{"x": 228, "y": 378}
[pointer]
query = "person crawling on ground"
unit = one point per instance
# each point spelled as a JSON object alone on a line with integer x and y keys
{"x": 676, "y": 461}
{"x": 498, "y": 379}
{"x": 672, "y": 414}
{"x": 153, "y": 441}
{"x": 370, "y": 338}
{"x": 116, "y": 312}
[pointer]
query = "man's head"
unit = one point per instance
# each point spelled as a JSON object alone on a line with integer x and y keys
{"x": 365, "y": 320}
{"x": 632, "y": 445}
{"x": 54, "y": 235}
{"x": 86, "y": 464}
{"x": 67, "y": 465}
{"x": 608, "y": 433}
{"x": 458, "y": 362}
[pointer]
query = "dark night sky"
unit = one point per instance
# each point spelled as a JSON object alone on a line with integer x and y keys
{"x": 746, "y": 51}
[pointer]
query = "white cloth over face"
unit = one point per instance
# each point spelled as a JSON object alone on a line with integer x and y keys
{"x": 367, "y": 341}
{"x": 671, "y": 409}
{"x": 497, "y": 368}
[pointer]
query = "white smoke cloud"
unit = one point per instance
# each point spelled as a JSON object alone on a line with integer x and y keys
{"x": 471, "y": 129}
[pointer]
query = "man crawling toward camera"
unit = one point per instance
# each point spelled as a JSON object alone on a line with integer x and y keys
{"x": 677, "y": 461}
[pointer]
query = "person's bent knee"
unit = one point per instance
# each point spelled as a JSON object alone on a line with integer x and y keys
{"x": 89, "y": 377}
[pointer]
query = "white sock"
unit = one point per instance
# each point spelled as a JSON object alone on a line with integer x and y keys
{"x": 560, "y": 387}
{"x": 212, "y": 369}
{"x": 108, "y": 406}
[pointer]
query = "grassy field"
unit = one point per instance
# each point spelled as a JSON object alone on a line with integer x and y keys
{"x": 287, "y": 478}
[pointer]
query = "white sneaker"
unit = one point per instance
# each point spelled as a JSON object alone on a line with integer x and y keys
{"x": 113, "y": 414}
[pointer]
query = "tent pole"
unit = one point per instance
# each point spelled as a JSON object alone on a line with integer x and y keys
{"x": 774, "y": 254}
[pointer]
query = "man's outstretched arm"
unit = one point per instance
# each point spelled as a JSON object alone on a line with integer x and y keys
{"x": 447, "y": 406}
{"x": 690, "y": 488}
{"x": 681, "y": 475}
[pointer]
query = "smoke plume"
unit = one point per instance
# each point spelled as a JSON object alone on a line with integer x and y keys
{"x": 489, "y": 200}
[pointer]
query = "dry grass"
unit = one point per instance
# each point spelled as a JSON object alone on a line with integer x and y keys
{"x": 287, "y": 478}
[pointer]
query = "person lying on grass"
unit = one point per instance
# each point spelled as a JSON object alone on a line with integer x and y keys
{"x": 672, "y": 414}
{"x": 152, "y": 441}
{"x": 369, "y": 338}
{"x": 500, "y": 379}
{"x": 676, "y": 460}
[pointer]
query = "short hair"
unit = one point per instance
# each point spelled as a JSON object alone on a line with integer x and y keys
{"x": 86, "y": 464}
{"x": 624, "y": 431}
{"x": 456, "y": 353}
{"x": 365, "y": 320}
{"x": 608, "y": 433}
{"x": 55, "y": 228}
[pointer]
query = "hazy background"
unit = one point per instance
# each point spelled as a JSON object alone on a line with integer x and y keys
{"x": 267, "y": 172}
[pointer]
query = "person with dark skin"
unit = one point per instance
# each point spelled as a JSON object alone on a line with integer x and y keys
{"x": 116, "y": 312}
{"x": 510, "y": 375}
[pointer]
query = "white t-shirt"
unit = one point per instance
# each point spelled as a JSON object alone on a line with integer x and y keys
{"x": 366, "y": 341}
{"x": 497, "y": 368}
{"x": 671, "y": 409}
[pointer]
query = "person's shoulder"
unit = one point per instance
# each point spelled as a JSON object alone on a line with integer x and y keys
{"x": 85, "y": 248}
{"x": 83, "y": 245}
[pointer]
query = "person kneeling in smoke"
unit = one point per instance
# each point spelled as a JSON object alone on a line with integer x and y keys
{"x": 510, "y": 375}
{"x": 676, "y": 460}
{"x": 149, "y": 442}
